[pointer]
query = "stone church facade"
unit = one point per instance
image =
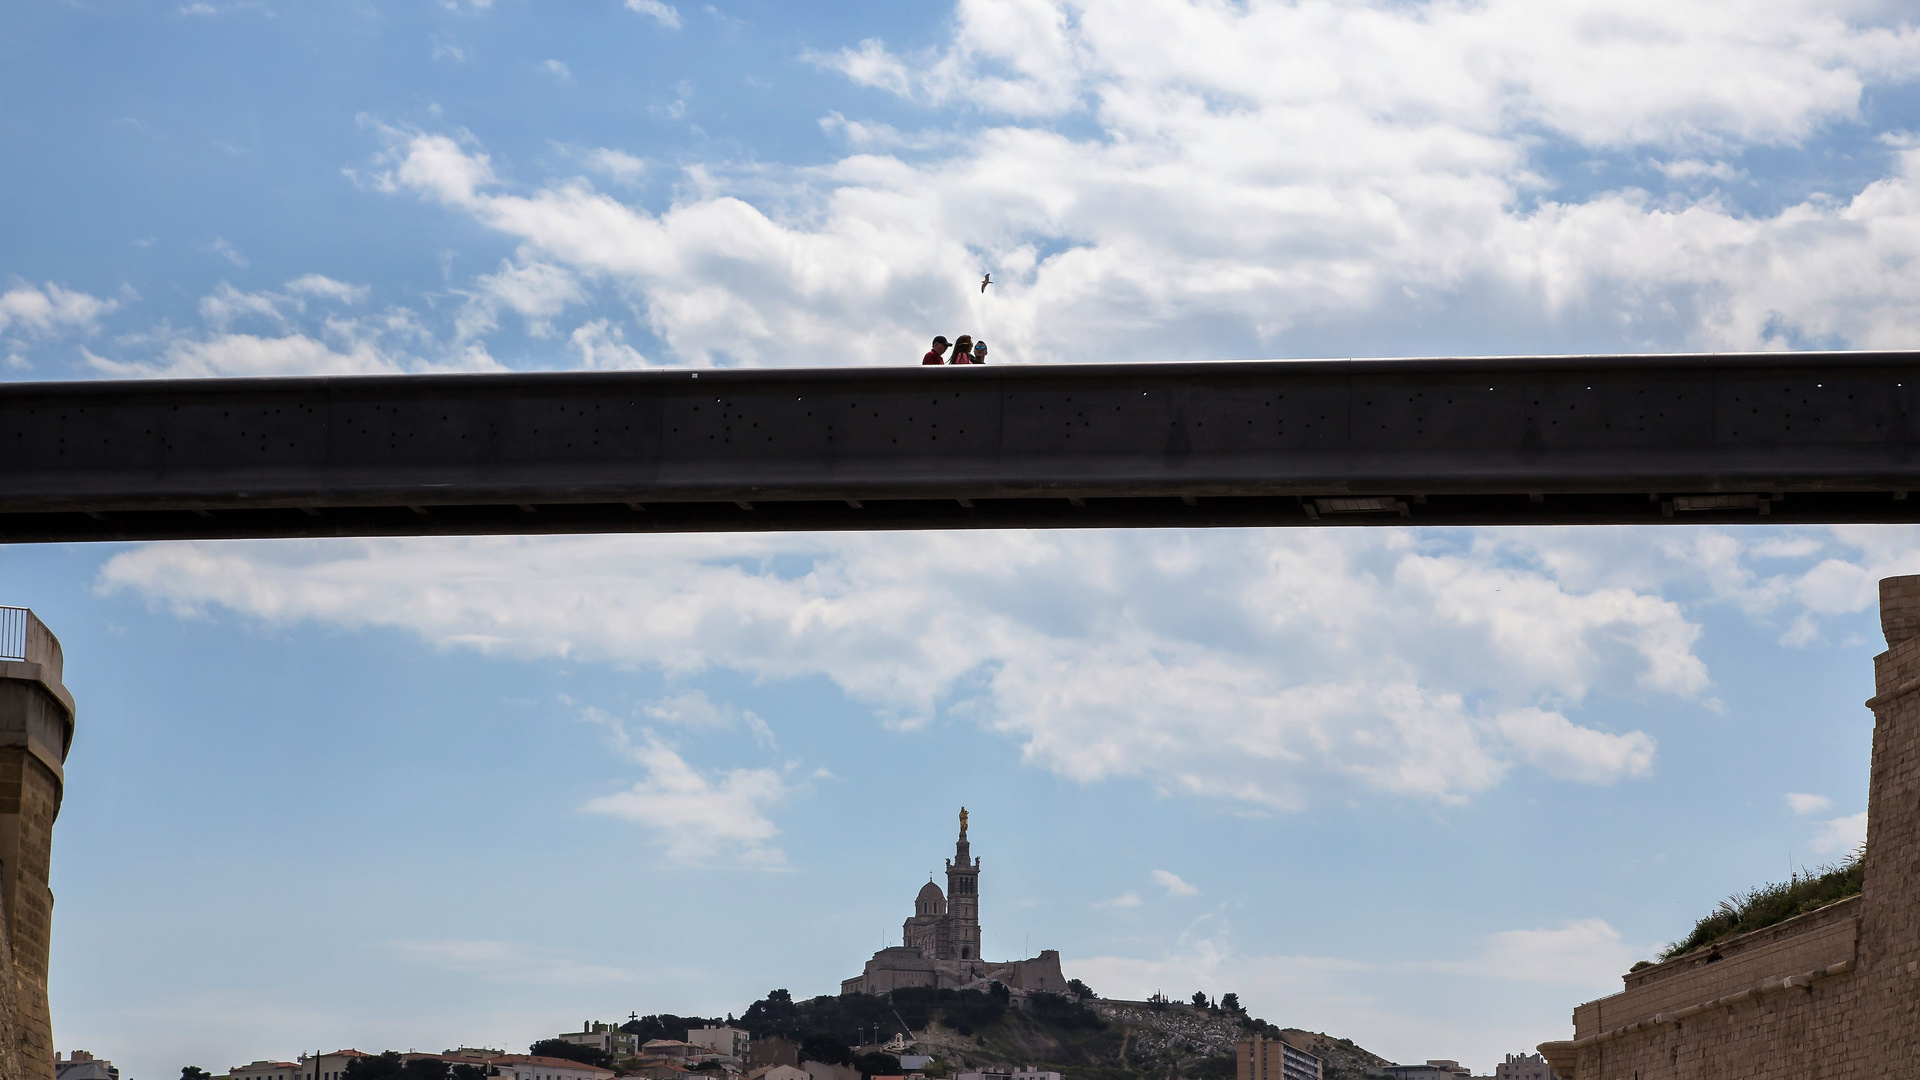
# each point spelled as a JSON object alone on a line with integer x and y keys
{"x": 941, "y": 941}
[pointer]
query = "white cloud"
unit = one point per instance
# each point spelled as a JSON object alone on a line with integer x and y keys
{"x": 1125, "y": 901}
{"x": 242, "y": 355}
{"x": 1694, "y": 170}
{"x": 666, "y": 14}
{"x": 50, "y": 311}
{"x": 867, "y": 135}
{"x": 1171, "y": 882}
{"x": 695, "y": 709}
{"x": 199, "y": 8}
{"x": 620, "y": 166}
{"x": 602, "y": 344}
{"x": 266, "y": 333}
{"x": 325, "y": 288}
{"x": 1562, "y": 748}
{"x": 695, "y": 818}
{"x": 871, "y": 64}
{"x": 1267, "y": 178}
{"x": 1585, "y": 952}
{"x": 1808, "y": 804}
{"x": 537, "y": 291}
{"x": 226, "y": 305}
{"x": 507, "y": 961}
{"x": 558, "y": 69}
{"x": 1329, "y": 660}
{"x": 221, "y": 247}
{"x": 1784, "y": 547}
{"x": 1601, "y": 72}
{"x": 691, "y": 709}
{"x": 1841, "y": 835}
{"x": 1502, "y": 976}
{"x": 1796, "y": 582}
{"x": 437, "y": 165}
{"x": 239, "y": 355}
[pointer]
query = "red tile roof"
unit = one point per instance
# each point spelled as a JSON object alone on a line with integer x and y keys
{"x": 547, "y": 1063}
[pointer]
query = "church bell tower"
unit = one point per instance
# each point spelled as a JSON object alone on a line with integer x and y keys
{"x": 963, "y": 899}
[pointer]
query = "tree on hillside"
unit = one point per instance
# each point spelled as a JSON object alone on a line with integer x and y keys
{"x": 1230, "y": 1003}
{"x": 1061, "y": 1012}
{"x": 667, "y": 1026}
{"x": 424, "y": 1069}
{"x": 1080, "y": 988}
{"x": 386, "y": 1066}
{"x": 875, "y": 1063}
{"x": 194, "y": 1072}
{"x": 774, "y": 1014}
{"x": 825, "y": 1046}
{"x": 1199, "y": 999}
{"x": 561, "y": 1048}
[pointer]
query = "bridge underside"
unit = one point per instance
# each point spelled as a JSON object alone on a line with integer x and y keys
{"x": 1770, "y": 438}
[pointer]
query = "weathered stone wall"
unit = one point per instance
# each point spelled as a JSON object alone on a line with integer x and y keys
{"x": 9, "y": 1026}
{"x": 29, "y": 801}
{"x": 1834, "y": 993}
{"x": 36, "y": 728}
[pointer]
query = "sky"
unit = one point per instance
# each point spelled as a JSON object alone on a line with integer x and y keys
{"x": 1423, "y": 788}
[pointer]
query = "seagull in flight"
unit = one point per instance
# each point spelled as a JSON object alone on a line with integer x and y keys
{"x": 986, "y": 281}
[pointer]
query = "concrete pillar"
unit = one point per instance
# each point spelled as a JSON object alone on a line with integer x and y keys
{"x": 36, "y": 728}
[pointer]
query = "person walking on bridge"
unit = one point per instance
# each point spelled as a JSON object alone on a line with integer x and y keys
{"x": 962, "y": 349}
{"x": 933, "y": 354}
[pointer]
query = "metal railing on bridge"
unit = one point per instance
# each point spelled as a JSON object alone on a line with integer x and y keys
{"x": 13, "y": 633}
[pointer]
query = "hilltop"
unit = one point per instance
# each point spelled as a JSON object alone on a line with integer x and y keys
{"x": 1090, "y": 1039}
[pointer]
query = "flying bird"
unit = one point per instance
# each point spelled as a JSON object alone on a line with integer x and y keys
{"x": 986, "y": 281}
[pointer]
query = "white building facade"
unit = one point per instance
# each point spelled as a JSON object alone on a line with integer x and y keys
{"x": 603, "y": 1036}
{"x": 725, "y": 1041}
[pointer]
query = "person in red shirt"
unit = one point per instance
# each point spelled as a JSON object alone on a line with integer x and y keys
{"x": 962, "y": 350}
{"x": 933, "y": 354}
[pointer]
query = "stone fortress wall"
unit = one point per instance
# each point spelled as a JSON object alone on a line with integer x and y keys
{"x": 36, "y": 729}
{"x": 1834, "y": 993}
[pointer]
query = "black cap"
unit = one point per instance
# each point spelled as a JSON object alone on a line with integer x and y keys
{"x": 941, "y": 340}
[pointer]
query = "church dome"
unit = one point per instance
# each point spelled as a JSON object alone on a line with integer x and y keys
{"x": 931, "y": 900}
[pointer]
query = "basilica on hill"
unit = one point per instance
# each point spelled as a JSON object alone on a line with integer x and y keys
{"x": 940, "y": 943}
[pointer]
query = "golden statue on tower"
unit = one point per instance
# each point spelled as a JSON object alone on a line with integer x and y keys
{"x": 963, "y": 822}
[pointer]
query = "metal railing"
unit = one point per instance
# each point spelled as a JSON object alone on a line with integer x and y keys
{"x": 13, "y": 633}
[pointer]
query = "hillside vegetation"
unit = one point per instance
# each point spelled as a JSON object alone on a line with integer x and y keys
{"x": 1091, "y": 1040}
{"x": 1760, "y": 908}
